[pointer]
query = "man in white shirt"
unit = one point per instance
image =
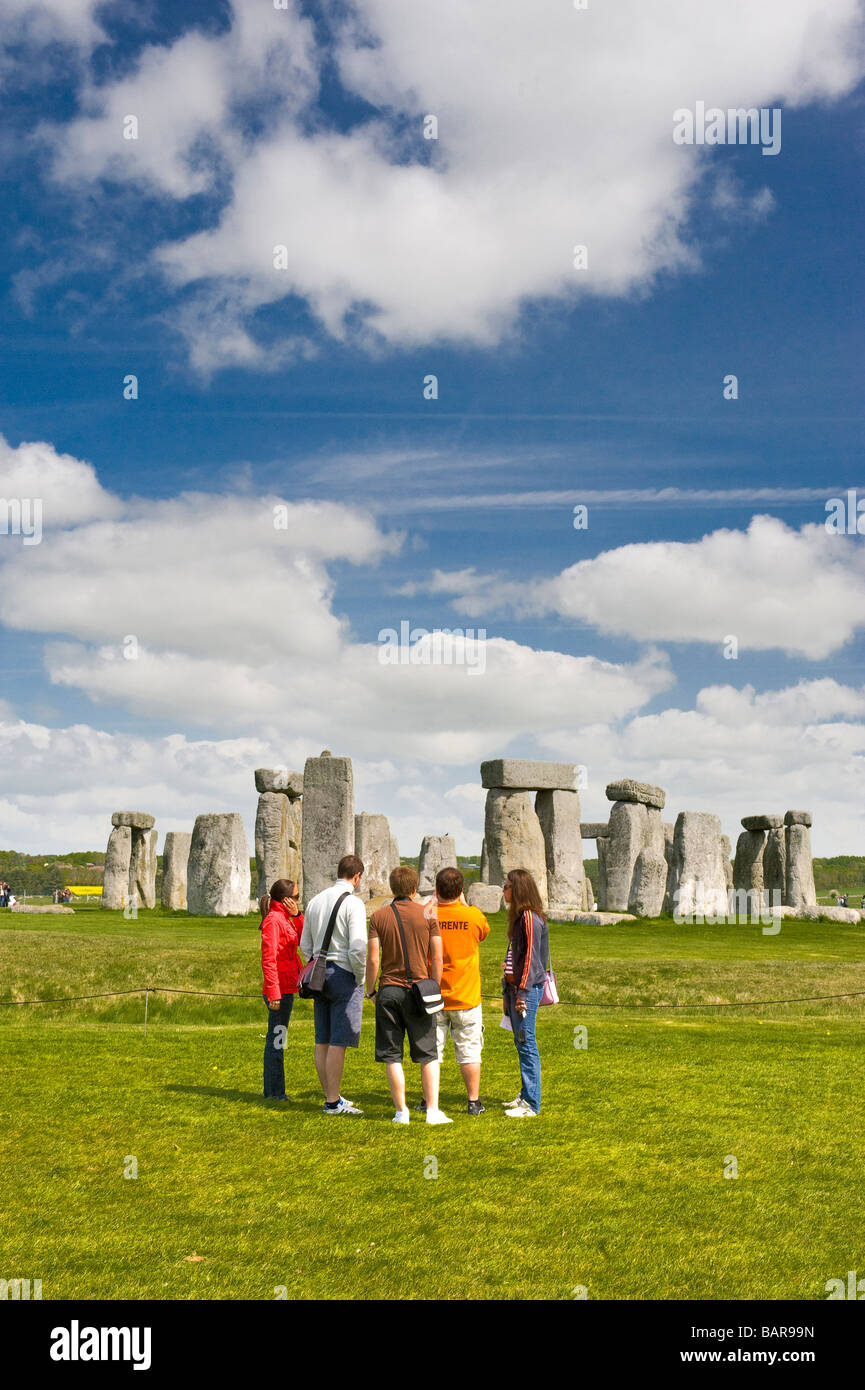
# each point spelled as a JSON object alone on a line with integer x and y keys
{"x": 338, "y": 1012}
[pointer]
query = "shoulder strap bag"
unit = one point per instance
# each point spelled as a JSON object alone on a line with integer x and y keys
{"x": 550, "y": 993}
{"x": 311, "y": 985}
{"x": 425, "y": 993}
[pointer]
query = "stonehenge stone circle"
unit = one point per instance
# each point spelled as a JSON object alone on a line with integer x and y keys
{"x": 218, "y": 874}
{"x": 118, "y": 855}
{"x": 175, "y": 857}
{"x": 486, "y": 896}
{"x": 514, "y": 837}
{"x": 524, "y": 774}
{"x": 559, "y": 815}
{"x": 436, "y": 852}
{"x": 279, "y": 779}
{"x": 372, "y": 844}
{"x": 328, "y": 820}
{"x": 135, "y": 820}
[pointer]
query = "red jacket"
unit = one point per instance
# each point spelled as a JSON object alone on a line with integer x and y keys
{"x": 280, "y": 938}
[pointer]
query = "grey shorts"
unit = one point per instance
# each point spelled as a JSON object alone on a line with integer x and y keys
{"x": 337, "y": 1016}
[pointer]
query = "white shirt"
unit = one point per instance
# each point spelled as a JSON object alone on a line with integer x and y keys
{"x": 348, "y": 943}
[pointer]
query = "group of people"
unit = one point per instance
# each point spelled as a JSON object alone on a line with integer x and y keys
{"x": 407, "y": 942}
{"x": 6, "y": 895}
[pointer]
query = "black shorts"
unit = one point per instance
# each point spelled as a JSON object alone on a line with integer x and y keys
{"x": 397, "y": 1013}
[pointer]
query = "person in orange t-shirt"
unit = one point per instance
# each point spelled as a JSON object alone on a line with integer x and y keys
{"x": 462, "y": 929}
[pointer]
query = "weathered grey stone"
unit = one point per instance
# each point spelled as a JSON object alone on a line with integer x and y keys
{"x": 559, "y": 815}
{"x": 525, "y": 774}
{"x": 727, "y": 851}
{"x": 279, "y": 779}
{"x": 748, "y": 868}
{"x": 629, "y": 832}
{"x": 599, "y": 919}
{"x": 701, "y": 884}
{"x": 277, "y": 840}
{"x": 136, "y": 820}
{"x": 775, "y": 863}
{"x": 592, "y": 829}
{"x": 394, "y": 851}
{"x": 648, "y": 884}
{"x": 175, "y": 858}
{"x": 328, "y": 820}
{"x": 218, "y": 875}
{"x": 142, "y": 868}
{"x": 643, "y": 793}
{"x": 485, "y": 862}
{"x": 514, "y": 837}
{"x": 486, "y": 896}
{"x": 372, "y": 845}
{"x": 812, "y": 912}
{"x": 601, "y": 895}
{"x": 799, "y": 890}
{"x": 436, "y": 852}
{"x": 672, "y": 871}
{"x": 797, "y": 818}
{"x": 115, "y": 879}
{"x": 588, "y": 902}
{"x": 762, "y": 822}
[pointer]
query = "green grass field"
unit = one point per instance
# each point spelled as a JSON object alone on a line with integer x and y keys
{"x": 618, "y": 1187}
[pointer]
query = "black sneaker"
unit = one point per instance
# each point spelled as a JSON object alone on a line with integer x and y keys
{"x": 421, "y": 1106}
{"x": 476, "y": 1107}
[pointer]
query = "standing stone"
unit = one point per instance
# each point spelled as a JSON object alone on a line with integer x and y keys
{"x": 748, "y": 868}
{"x": 486, "y": 896}
{"x": 559, "y": 816}
{"x": 485, "y": 862}
{"x": 218, "y": 875}
{"x": 372, "y": 844}
{"x": 775, "y": 864}
{"x": 629, "y": 831}
{"x": 670, "y": 856}
{"x": 115, "y": 881}
{"x": 800, "y": 890}
{"x": 727, "y": 851}
{"x": 142, "y": 868}
{"x": 175, "y": 857}
{"x": 274, "y": 855}
{"x": 514, "y": 837}
{"x": 394, "y": 852}
{"x": 601, "y": 895}
{"x": 436, "y": 852}
{"x": 648, "y": 884}
{"x": 701, "y": 883}
{"x": 328, "y": 820}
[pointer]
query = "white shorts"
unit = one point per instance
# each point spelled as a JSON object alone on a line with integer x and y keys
{"x": 466, "y": 1027}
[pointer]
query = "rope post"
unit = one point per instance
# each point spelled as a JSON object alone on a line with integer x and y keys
{"x": 146, "y": 1004}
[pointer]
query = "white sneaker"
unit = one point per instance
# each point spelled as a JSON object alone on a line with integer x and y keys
{"x": 521, "y": 1112}
{"x": 401, "y": 1117}
{"x": 438, "y": 1117}
{"x": 509, "y": 1104}
{"x": 344, "y": 1108}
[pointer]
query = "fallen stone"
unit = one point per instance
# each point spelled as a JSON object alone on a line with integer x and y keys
{"x": 514, "y": 837}
{"x": 38, "y": 907}
{"x": 762, "y": 822}
{"x": 436, "y": 852}
{"x": 486, "y": 896}
{"x": 797, "y": 818}
{"x": 643, "y": 793}
{"x": 218, "y": 875}
{"x": 115, "y": 879}
{"x": 372, "y": 845}
{"x": 524, "y": 774}
{"x": 175, "y": 857}
{"x": 135, "y": 820}
{"x": 279, "y": 779}
{"x": 559, "y": 815}
{"x": 328, "y": 820}
{"x": 813, "y": 912}
{"x": 597, "y": 919}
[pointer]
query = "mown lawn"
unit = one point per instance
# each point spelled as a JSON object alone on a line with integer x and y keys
{"x": 618, "y": 1187}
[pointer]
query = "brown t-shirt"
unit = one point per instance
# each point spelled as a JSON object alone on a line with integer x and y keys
{"x": 419, "y": 933}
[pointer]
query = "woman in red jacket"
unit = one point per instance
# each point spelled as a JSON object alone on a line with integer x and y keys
{"x": 281, "y": 928}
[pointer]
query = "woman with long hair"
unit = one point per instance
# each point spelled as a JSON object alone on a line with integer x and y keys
{"x": 281, "y": 927}
{"x": 523, "y": 984}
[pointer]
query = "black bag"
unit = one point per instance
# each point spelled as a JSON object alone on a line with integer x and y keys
{"x": 311, "y": 984}
{"x": 426, "y": 994}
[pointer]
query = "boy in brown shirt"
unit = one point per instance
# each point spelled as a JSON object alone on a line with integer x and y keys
{"x": 396, "y": 1012}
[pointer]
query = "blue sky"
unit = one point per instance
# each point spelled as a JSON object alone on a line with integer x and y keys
{"x": 409, "y": 257}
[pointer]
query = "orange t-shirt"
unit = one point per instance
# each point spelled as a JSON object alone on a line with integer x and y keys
{"x": 462, "y": 929}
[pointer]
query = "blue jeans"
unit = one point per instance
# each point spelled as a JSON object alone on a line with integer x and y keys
{"x": 274, "y": 1048}
{"x": 526, "y": 1044}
